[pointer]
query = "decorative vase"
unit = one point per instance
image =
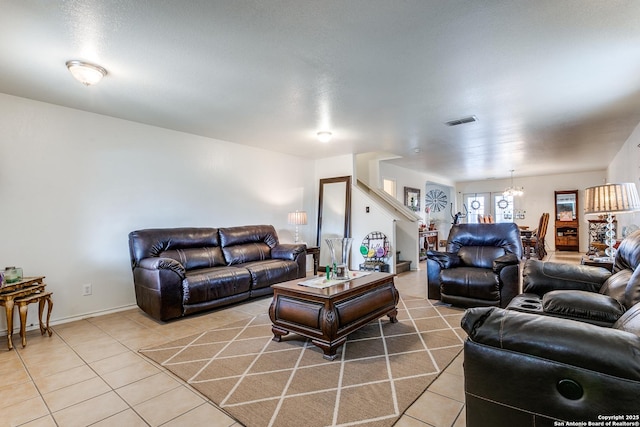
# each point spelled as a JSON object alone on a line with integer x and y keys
{"x": 340, "y": 248}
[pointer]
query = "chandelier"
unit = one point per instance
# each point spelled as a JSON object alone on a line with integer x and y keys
{"x": 513, "y": 191}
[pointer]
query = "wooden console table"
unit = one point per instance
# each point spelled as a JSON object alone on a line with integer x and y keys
{"x": 22, "y": 293}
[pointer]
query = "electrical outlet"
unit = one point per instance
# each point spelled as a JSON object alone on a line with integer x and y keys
{"x": 86, "y": 289}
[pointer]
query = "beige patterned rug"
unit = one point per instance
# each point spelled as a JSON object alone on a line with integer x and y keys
{"x": 380, "y": 371}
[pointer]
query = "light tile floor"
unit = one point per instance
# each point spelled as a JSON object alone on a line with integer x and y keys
{"x": 90, "y": 373}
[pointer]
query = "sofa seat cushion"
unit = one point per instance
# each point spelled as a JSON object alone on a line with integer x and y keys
{"x": 209, "y": 284}
{"x": 269, "y": 272}
{"x": 470, "y": 282}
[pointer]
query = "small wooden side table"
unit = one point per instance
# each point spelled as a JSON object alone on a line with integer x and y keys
{"x": 18, "y": 292}
{"x": 315, "y": 252}
{"x": 604, "y": 264}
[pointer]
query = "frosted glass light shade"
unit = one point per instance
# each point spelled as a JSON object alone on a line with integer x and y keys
{"x": 85, "y": 73}
{"x": 324, "y": 136}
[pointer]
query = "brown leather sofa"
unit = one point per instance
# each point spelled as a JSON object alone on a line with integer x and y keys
{"x": 568, "y": 349}
{"x": 180, "y": 271}
{"x": 481, "y": 266}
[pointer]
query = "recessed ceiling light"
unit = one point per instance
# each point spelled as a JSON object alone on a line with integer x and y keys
{"x": 324, "y": 136}
{"x": 417, "y": 150}
{"x": 85, "y": 73}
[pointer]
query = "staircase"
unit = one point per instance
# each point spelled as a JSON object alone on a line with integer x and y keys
{"x": 402, "y": 266}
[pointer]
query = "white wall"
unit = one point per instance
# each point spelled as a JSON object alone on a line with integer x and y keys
{"x": 74, "y": 184}
{"x": 363, "y": 223}
{"x": 625, "y": 167}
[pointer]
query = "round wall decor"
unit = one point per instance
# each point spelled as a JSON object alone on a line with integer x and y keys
{"x": 436, "y": 200}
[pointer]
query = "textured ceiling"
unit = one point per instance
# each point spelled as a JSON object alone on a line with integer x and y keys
{"x": 555, "y": 85}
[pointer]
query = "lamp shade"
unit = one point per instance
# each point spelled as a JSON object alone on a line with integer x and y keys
{"x": 297, "y": 218}
{"x": 611, "y": 198}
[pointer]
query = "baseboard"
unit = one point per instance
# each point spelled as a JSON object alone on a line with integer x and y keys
{"x": 83, "y": 316}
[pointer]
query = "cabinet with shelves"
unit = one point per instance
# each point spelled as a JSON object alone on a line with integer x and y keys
{"x": 567, "y": 227}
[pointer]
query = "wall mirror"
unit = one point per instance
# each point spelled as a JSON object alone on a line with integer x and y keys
{"x": 334, "y": 213}
{"x": 412, "y": 198}
{"x": 566, "y": 205}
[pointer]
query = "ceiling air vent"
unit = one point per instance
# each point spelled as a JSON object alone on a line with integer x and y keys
{"x": 461, "y": 121}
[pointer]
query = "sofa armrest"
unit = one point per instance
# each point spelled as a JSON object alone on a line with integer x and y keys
{"x": 541, "y": 277}
{"x": 504, "y": 261}
{"x": 156, "y": 263}
{"x": 584, "y": 306}
{"x": 289, "y": 251}
{"x": 530, "y": 370}
{"x": 444, "y": 259}
{"x": 294, "y": 252}
{"x": 158, "y": 286}
{"x": 605, "y": 350}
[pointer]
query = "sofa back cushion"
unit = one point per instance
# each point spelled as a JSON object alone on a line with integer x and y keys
{"x": 632, "y": 291}
{"x": 628, "y": 253}
{"x": 195, "y": 258}
{"x": 195, "y": 247}
{"x": 480, "y": 256}
{"x": 630, "y": 320}
{"x": 247, "y": 243}
{"x": 615, "y": 285}
{"x": 623, "y": 286}
{"x": 505, "y": 235}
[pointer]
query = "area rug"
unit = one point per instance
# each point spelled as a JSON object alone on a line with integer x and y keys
{"x": 381, "y": 369}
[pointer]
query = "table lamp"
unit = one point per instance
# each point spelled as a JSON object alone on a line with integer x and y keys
{"x": 297, "y": 218}
{"x": 611, "y": 199}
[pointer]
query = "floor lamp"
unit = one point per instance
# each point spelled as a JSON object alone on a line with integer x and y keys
{"x": 297, "y": 218}
{"x": 611, "y": 199}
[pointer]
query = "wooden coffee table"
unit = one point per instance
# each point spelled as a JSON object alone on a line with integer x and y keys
{"x": 328, "y": 315}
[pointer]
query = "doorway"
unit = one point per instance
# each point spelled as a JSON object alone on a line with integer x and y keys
{"x": 497, "y": 205}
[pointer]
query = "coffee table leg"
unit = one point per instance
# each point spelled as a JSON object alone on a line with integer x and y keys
{"x": 278, "y": 333}
{"x": 329, "y": 350}
{"x": 393, "y": 315}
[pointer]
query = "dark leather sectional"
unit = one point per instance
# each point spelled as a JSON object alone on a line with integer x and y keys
{"x": 565, "y": 352}
{"x": 180, "y": 271}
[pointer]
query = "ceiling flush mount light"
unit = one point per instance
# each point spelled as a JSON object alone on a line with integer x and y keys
{"x": 85, "y": 73}
{"x": 324, "y": 136}
{"x": 513, "y": 191}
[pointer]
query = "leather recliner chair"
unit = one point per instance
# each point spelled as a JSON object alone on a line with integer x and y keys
{"x": 481, "y": 266}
